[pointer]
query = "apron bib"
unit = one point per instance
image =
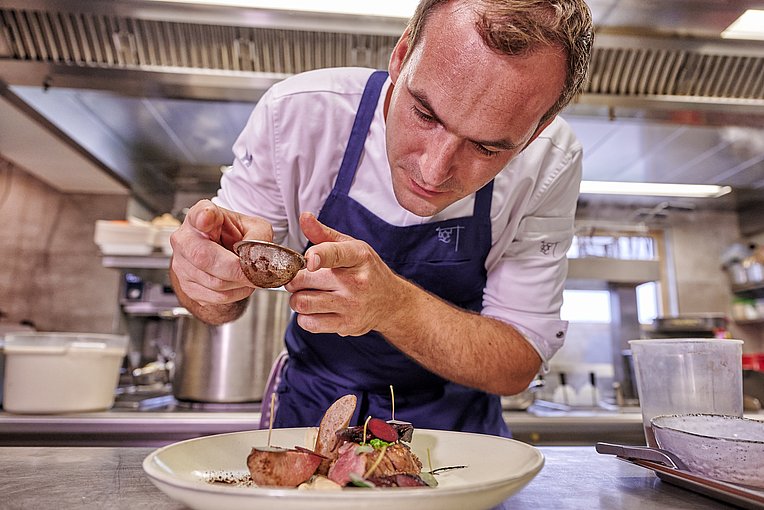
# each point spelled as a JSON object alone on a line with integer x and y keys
{"x": 448, "y": 259}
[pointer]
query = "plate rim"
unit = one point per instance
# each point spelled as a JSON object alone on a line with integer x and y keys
{"x": 153, "y": 473}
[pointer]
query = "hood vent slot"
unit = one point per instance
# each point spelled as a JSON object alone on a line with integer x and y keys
{"x": 83, "y": 39}
{"x": 689, "y": 74}
{"x": 673, "y": 72}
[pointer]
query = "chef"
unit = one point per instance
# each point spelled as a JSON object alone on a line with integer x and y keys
{"x": 434, "y": 202}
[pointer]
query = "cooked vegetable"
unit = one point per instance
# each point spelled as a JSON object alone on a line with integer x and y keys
{"x": 404, "y": 432}
{"x": 383, "y": 430}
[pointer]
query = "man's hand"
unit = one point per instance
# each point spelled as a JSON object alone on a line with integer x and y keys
{"x": 347, "y": 288}
{"x": 204, "y": 268}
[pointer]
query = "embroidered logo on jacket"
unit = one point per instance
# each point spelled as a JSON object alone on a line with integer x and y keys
{"x": 449, "y": 235}
{"x": 548, "y": 248}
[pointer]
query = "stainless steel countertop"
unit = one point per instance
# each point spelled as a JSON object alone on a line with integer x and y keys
{"x": 165, "y": 425}
{"x": 160, "y": 427}
{"x": 97, "y": 478}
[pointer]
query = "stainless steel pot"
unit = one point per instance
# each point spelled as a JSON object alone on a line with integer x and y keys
{"x": 230, "y": 363}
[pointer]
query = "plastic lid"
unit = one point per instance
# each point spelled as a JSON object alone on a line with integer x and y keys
{"x": 41, "y": 339}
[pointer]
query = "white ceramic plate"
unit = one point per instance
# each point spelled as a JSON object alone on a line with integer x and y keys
{"x": 496, "y": 468}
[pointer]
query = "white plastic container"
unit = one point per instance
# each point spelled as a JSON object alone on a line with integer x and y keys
{"x": 49, "y": 373}
{"x": 162, "y": 239}
{"x": 124, "y": 237}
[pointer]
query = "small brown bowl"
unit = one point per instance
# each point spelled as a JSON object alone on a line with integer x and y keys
{"x": 268, "y": 265}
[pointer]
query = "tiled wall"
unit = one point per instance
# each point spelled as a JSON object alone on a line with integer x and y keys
{"x": 50, "y": 268}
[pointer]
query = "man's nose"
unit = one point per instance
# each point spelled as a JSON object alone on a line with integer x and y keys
{"x": 438, "y": 158}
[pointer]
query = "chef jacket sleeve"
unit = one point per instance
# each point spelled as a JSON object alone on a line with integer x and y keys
{"x": 251, "y": 185}
{"x": 524, "y": 287}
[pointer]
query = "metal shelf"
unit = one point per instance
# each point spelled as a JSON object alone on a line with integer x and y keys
{"x": 158, "y": 261}
{"x": 744, "y": 322}
{"x": 750, "y": 290}
{"x": 614, "y": 270}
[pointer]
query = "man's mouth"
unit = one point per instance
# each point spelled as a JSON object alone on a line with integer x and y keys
{"x": 423, "y": 191}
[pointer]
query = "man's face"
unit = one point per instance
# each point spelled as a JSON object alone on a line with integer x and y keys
{"x": 459, "y": 111}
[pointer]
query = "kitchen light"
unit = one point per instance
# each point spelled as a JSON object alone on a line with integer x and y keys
{"x": 653, "y": 189}
{"x": 750, "y": 25}
{"x": 389, "y": 8}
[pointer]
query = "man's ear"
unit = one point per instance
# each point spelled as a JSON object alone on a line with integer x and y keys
{"x": 398, "y": 56}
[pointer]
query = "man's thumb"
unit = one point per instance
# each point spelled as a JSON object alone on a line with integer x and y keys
{"x": 207, "y": 219}
{"x": 317, "y": 232}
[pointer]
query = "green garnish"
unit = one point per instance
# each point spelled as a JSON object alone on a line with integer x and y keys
{"x": 428, "y": 478}
{"x": 363, "y": 448}
{"x": 360, "y": 481}
{"x": 378, "y": 443}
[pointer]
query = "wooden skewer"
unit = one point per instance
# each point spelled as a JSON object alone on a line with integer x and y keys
{"x": 392, "y": 398}
{"x": 270, "y": 424}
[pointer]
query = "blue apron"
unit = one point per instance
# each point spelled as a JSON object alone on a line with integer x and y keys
{"x": 448, "y": 259}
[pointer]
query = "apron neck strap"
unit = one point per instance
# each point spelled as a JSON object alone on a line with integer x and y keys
{"x": 483, "y": 198}
{"x": 360, "y": 129}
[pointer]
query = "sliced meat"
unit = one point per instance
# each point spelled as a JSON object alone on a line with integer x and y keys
{"x": 397, "y": 481}
{"x": 281, "y": 468}
{"x": 347, "y": 462}
{"x": 398, "y": 459}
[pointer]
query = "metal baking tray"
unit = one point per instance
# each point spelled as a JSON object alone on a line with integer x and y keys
{"x": 661, "y": 462}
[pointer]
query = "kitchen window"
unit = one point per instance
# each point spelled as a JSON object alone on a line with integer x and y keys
{"x": 591, "y": 306}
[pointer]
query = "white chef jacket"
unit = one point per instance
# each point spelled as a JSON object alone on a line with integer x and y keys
{"x": 288, "y": 156}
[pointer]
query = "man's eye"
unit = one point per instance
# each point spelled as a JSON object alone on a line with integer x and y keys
{"x": 422, "y": 115}
{"x": 483, "y": 150}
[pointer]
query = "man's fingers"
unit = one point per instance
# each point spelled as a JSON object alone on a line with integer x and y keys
{"x": 317, "y": 232}
{"x": 226, "y": 227}
{"x": 329, "y": 246}
{"x": 212, "y": 266}
{"x": 336, "y": 255}
{"x": 321, "y": 323}
{"x": 205, "y": 295}
{"x": 206, "y": 218}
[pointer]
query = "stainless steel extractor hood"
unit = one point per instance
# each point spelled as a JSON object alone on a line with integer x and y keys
{"x": 161, "y": 77}
{"x": 171, "y": 50}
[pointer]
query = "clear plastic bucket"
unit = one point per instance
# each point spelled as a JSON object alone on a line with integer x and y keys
{"x": 687, "y": 375}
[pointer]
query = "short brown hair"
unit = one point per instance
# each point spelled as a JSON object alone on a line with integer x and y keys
{"x": 516, "y": 27}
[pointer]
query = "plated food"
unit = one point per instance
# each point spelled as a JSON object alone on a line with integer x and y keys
{"x": 376, "y": 454}
{"x": 497, "y": 468}
{"x": 214, "y": 472}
